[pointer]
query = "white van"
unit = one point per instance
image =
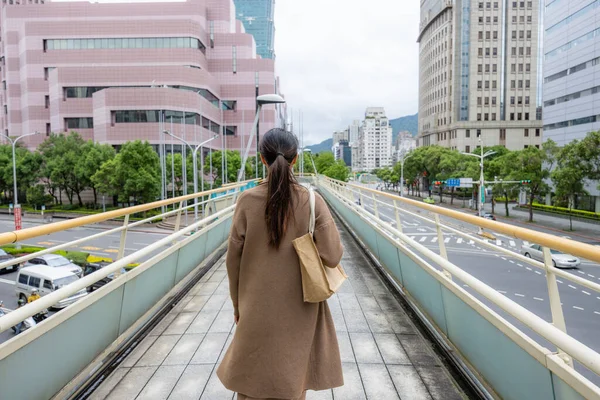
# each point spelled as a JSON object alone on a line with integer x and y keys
{"x": 46, "y": 280}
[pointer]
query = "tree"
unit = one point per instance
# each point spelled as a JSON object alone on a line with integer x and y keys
{"x": 94, "y": 155}
{"x": 337, "y": 170}
{"x": 588, "y": 152}
{"x": 323, "y": 161}
{"x": 308, "y": 166}
{"x": 27, "y": 168}
{"x": 133, "y": 175}
{"x": 234, "y": 163}
{"x": 36, "y": 196}
{"x": 569, "y": 175}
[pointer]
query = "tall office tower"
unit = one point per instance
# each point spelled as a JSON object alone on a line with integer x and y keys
{"x": 479, "y": 64}
{"x": 339, "y": 135}
{"x": 257, "y": 17}
{"x": 375, "y": 140}
{"x": 570, "y": 65}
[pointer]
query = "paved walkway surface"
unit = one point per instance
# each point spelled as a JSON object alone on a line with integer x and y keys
{"x": 383, "y": 355}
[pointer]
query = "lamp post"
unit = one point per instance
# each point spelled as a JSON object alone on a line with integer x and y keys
{"x": 404, "y": 158}
{"x": 14, "y": 160}
{"x": 481, "y": 180}
{"x": 195, "y": 166}
{"x": 261, "y": 101}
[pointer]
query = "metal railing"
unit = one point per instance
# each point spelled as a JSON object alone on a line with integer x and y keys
{"x": 369, "y": 203}
{"x": 226, "y": 202}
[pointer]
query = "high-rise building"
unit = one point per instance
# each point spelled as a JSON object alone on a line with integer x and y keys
{"x": 102, "y": 70}
{"x": 339, "y": 136}
{"x": 479, "y": 69}
{"x": 353, "y": 131}
{"x": 257, "y": 17}
{"x": 343, "y": 151}
{"x": 570, "y": 65}
{"x": 375, "y": 140}
{"x": 405, "y": 143}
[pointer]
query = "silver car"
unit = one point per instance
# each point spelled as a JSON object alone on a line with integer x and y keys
{"x": 55, "y": 260}
{"x": 558, "y": 259}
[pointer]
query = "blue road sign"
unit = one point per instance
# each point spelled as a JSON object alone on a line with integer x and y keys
{"x": 453, "y": 182}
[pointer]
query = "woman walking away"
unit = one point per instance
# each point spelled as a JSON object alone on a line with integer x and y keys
{"x": 282, "y": 346}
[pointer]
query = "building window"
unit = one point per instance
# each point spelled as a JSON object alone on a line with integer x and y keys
{"x": 478, "y": 116}
{"x": 125, "y": 43}
{"x": 47, "y": 101}
{"x": 79, "y": 123}
{"x": 528, "y": 34}
{"x": 527, "y": 67}
{"x": 519, "y": 116}
{"x": 48, "y": 131}
{"x": 527, "y": 84}
{"x": 526, "y": 132}
{"x": 526, "y": 100}
{"x": 494, "y": 100}
{"x": 480, "y": 35}
{"x": 5, "y": 109}
{"x": 521, "y": 34}
{"x": 234, "y": 59}
{"x": 512, "y": 100}
{"x": 480, "y": 68}
{"x": 512, "y": 84}
{"x": 468, "y": 133}
{"x": 479, "y": 101}
{"x": 493, "y": 84}
{"x": 487, "y": 84}
{"x": 537, "y": 132}
{"x": 495, "y": 68}
{"x": 478, "y": 132}
{"x": 512, "y": 116}
{"x": 486, "y": 117}
{"x": 495, "y": 35}
{"x": 47, "y": 72}
{"x": 527, "y": 116}
{"x": 513, "y": 68}
{"x": 230, "y": 130}
{"x": 467, "y": 149}
{"x": 514, "y": 34}
{"x": 493, "y": 116}
{"x": 502, "y": 134}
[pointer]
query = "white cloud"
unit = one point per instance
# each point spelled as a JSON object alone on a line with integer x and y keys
{"x": 336, "y": 58}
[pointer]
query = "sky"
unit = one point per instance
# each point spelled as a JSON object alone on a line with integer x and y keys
{"x": 336, "y": 58}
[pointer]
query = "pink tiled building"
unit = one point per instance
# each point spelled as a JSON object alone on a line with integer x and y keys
{"x": 124, "y": 71}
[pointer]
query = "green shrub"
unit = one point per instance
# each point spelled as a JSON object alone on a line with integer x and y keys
{"x": 566, "y": 211}
{"x": 78, "y": 257}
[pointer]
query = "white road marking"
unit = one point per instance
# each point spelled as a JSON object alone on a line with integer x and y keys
{"x": 520, "y": 265}
{"x": 512, "y": 243}
{"x": 434, "y": 239}
{"x": 529, "y": 269}
{"x": 572, "y": 287}
{"x": 501, "y": 291}
{"x": 581, "y": 272}
{"x": 511, "y": 261}
{"x": 525, "y": 243}
{"x": 538, "y": 299}
{"x": 519, "y": 294}
{"x": 412, "y": 237}
{"x": 497, "y": 255}
{"x": 538, "y": 272}
{"x": 559, "y": 281}
{"x": 7, "y": 281}
{"x": 465, "y": 285}
{"x": 498, "y": 242}
{"x": 584, "y": 292}
{"x": 447, "y": 240}
{"x": 459, "y": 240}
{"x": 471, "y": 242}
{"x": 596, "y": 312}
{"x": 591, "y": 276}
{"x": 56, "y": 241}
{"x": 484, "y": 250}
{"x": 504, "y": 258}
{"x": 578, "y": 308}
{"x": 142, "y": 244}
{"x": 423, "y": 239}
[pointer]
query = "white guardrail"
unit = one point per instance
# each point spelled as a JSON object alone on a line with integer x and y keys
{"x": 356, "y": 197}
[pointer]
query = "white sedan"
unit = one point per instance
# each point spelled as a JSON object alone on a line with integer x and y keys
{"x": 558, "y": 259}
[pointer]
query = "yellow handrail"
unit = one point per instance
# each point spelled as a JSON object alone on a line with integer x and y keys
{"x": 569, "y": 246}
{"x": 29, "y": 233}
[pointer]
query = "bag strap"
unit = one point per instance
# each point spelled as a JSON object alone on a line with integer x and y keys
{"x": 311, "y": 220}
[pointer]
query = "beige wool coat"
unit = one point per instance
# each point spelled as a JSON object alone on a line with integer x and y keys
{"x": 282, "y": 346}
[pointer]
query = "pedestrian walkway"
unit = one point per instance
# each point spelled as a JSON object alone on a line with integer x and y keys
{"x": 383, "y": 354}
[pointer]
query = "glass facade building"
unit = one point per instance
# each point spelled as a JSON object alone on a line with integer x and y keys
{"x": 257, "y": 17}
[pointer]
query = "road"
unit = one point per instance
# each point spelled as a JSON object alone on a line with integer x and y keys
{"x": 520, "y": 282}
{"x": 105, "y": 246}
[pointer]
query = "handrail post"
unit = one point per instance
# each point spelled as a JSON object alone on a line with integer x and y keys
{"x": 443, "y": 252}
{"x": 121, "y": 252}
{"x": 558, "y": 318}
{"x": 360, "y": 198}
{"x": 178, "y": 219}
{"x": 375, "y": 206}
{"x": 398, "y": 221}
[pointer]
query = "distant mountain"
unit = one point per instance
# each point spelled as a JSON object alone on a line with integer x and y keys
{"x": 325, "y": 145}
{"x": 408, "y": 123}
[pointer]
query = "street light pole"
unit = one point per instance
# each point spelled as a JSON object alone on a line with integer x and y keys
{"x": 481, "y": 180}
{"x": 261, "y": 101}
{"x": 14, "y": 160}
{"x": 194, "y": 165}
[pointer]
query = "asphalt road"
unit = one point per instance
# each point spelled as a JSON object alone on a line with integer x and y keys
{"x": 520, "y": 282}
{"x": 105, "y": 246}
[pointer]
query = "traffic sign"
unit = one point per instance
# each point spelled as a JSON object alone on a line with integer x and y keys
{"x": 453, "y": 182}
{"x": 466, "y": 182}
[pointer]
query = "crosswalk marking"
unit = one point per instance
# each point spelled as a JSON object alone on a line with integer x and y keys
{"x": 447, "y": 240}
{"x": 459, "y": 240}
{"x": 498, "y": 242}
{"x": 423, "y": 238}
{"x": 525, "y": 243}
{"x": 434, "y": 239}
{"x": 512, "y": 243}
{"x": 471, "y": 242}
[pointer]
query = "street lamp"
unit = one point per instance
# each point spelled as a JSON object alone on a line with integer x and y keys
{"x": 195, "y": 166}
{"x": 481, "y": 181}
{"x": 261, "y": 100}
{"x": 14, "y": 159}
{"x": 402, "y": 172}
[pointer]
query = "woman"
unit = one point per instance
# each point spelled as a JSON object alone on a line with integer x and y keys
{"x": 282, "y": 346}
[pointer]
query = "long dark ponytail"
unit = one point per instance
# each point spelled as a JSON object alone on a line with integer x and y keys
{"x": 279, "y": 148}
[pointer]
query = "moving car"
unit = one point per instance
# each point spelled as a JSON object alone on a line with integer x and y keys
{"x": 45, "y": 280}
{"x": 559, "y": 260}
{"x": 4, "y": 256}
{"x": 56, "y": 261}
{"x": 93, "y": 267}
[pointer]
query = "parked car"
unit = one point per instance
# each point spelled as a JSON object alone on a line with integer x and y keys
{"x": 4, "y": 256}
{"x": 45, "y": 280}
{"x": 489, "y": 216}
{"x": 429, "y": 200}
{"x": 559, "y": 260}
{"x": 93, "y": 267}
{"x": 56, "y": 261}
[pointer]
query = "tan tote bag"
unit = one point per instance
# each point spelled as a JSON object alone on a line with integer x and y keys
{"x": 318, "y": 281}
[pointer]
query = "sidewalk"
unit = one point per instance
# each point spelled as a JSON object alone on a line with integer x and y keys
{"x": 589, "y": 232}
